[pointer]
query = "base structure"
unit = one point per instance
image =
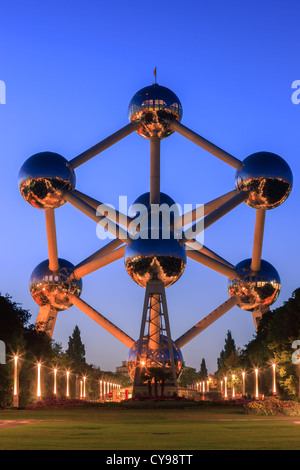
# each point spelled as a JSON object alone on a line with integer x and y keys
{"x": 155, "y": 361}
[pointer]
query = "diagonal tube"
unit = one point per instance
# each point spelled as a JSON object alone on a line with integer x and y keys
{"x": 109, "y": 247}
{"x": 258, "y": 239}
{"x": 212, "y": 263}
{"x": 205, "y": 322}
{"x": 103, "y": 145}
{"x": 195, "y": 245}
{"x": 104, "y": 209}
{"x": 205, "y": 144}
{"x": 98, "y": 263}
{"x": 113, "y": 228}
{"x": 210, "y": 206}
{"x": 51, "y": 239}
{"x": 217, "y": 214}
{"x": 102, "y": 321}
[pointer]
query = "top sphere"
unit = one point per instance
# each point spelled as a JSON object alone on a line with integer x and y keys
{"x": 267, "y": 177}
{"x": 44, "y": 178}
{"x": 153, "y": 106}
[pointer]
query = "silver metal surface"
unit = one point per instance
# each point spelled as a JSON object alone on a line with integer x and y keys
{"x": 255, "y": 289}
{"x": 148, "y": 260}
{"x": 44, "y": 178}
{"x": 159, "y": 359}
{"x": 267, "y": 177}
{"x": 152, "y": 107}
{"x": 54, "y": 287}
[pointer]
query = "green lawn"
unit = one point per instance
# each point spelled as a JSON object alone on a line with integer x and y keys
{"x": 127, "y": 429}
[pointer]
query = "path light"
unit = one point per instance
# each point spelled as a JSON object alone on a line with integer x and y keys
{"x": 256, "y": 384}
{"x": 243, "y": 378}
{"x": 84, "y": 393}
{"x": 54, "y": 381}
{"x": 68, "y": 378}
{"x": 16, "y": 383}
{"x": 274, "y": 378}
{"x": 225, "y": 381}
{"x": 16, "y": 375}
{"x": 233, "y": 389}
{"x": 38, "y": 389}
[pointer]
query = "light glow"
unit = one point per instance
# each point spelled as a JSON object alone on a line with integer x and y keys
{"x": 54, "y": 384}
{"x": 274, "y": 378}
{"x": 256, "y": 383}
{"x": 16, "y": 375}
{"x": 38, "y": 390}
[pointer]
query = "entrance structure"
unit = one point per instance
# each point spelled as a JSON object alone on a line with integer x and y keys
{"x": 153, "y": 260}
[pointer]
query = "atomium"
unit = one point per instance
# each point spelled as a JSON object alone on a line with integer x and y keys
{"x": 255, "y": 289}
{"x": 153, "y": 107}
{"x": 160, "y": 260}
{"x": 54, "y": 287}
{"x": 44, "y": 178}
{"x": 267, "y": 177}
{"x": 153, "y": 256}
{"x": 156, "y": 359}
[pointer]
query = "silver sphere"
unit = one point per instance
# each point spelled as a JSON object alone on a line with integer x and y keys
{"x": 153, "y": 359}
{"x": 155, "y": 259}
{"x": 44, "y": 178}
{"x": 141, "y": 209}
{"x": 54, "y": 287}
{"x": 268, "y": 178}
{"x": 255, "y": 289}
{"x": 152, "y": 106}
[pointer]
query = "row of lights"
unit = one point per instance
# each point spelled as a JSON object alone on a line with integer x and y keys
{"x": 203, "y": 386}
{"x": 105, "y": 386}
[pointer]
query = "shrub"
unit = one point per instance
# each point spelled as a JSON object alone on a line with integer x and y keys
{"x": 272, "y": 407}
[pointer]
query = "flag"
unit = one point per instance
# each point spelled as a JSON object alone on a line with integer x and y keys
{"x": 154, "y": 71}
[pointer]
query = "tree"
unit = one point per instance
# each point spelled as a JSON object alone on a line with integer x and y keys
{"x": 229, "y": 347}
{"x": 189, "y": 376}
{"x": 76, "y": 349}
{"x": 203, "y": 373}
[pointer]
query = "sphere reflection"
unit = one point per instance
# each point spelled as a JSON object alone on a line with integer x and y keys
{"x": 150, "y": 360}
{"x": 255, "y": 289}
{"x": 152, "y": 106}
{"x": 54, "y": 287}
{"x": 44, "y": 178}
{"x": 268, "y": 178}
{"x": 162, "y": 260}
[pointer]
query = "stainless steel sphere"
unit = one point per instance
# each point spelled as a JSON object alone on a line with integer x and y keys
{"x": 155, "y": 254}
{"x": 141, "y": 209}
{"x": 152, "y": 106}
{"x": 44, "y": 178}
{"x": 54, "y": 287}
{"x": 255, "y": 289}
{"x": 153, "y": 359}
{"x": 155, "y": 259}
{"x": 268, "y": 178}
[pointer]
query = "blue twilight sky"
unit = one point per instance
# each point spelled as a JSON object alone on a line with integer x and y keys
{"x": 70, "y": 70}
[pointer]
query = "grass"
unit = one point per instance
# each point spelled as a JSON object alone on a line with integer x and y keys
{"x": 115, "y": 428}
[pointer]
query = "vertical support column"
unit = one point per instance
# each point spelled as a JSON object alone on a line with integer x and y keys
{"x": 46, "y": 319}
{"x": 258, "y": 239}
{"x": 154, "y": 312}
{"x": 154, "y": 171}
{"x": 51, "y": 238}
{"x": 154, "y": 321}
